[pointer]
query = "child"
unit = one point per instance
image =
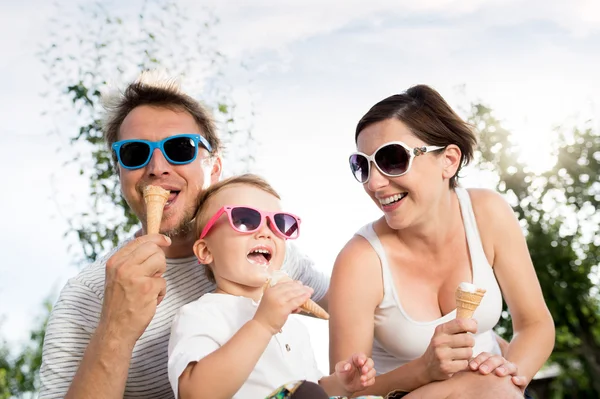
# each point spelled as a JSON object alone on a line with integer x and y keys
{"x": 238, "y": 342}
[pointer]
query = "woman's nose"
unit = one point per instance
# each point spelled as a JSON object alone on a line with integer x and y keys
{"x": 377, "y": 180}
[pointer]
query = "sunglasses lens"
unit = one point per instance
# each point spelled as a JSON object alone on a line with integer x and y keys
{"x": 287, "y": 225}
{"x": 180, "y": 149}
{"x": 134, "y": 154}
{"x": 360, "y": 167}
{"x": 245, "y": 219}
{"x": 392, "y": 159}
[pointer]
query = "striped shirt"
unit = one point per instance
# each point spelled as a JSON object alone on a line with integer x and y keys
{"x": 76, "y": 314}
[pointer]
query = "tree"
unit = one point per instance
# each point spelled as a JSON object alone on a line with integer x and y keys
{"x": 86, "y": 51}
{"x": 19, "y": 373}
{"x": 559, "y": 211}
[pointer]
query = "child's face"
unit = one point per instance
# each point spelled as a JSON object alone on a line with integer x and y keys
{"x": 231, "y": 254}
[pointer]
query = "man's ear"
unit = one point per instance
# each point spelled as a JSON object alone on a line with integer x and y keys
{"x": 217, "y": 169}
{"x": 451, "y": 161}
{"x": 202, "y": 252}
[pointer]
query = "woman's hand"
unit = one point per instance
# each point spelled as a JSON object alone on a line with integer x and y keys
{"x": 450, "y": 349}
{"x": 487, "y": 363}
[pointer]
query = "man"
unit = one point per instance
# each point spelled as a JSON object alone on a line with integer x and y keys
{"x": 108, "y": 333}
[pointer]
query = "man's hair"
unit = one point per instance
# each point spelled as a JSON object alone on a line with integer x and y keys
{"x": 204, "y": 198}
{"x": 429, "y": 117}
{"x": 157, "y": 91}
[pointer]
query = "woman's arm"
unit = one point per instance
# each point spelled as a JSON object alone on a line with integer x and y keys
{"x": 533, "y": 326}
{"x": 355, "y": 291}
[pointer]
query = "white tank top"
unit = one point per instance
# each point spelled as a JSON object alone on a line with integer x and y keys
{"x": 400, "y": 339}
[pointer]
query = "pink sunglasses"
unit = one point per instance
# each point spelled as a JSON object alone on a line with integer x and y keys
{"x": 244, "y": 219}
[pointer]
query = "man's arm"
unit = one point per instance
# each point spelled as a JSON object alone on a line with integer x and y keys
{"x": 69, "y": 332}
{"x": 300, "y": 267}
{"x": 89, "y": 354}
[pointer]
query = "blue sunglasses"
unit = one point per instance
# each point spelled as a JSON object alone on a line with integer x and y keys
{"x": 178, "y": 150}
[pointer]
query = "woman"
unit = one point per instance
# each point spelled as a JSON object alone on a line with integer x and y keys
{"x": 395, "y": 279}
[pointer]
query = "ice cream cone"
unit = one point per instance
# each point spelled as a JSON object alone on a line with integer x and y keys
{"x": 155, "y": 198}
{"x": 313, "y": 308}
{"x": 309, "y": 306}
{"x": 467, "y": 302}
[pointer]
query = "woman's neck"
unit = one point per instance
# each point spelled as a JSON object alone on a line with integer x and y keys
{"x": 439, "y": 226}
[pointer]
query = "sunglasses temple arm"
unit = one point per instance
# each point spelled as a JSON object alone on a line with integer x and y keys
{"x": 211, "y": 222}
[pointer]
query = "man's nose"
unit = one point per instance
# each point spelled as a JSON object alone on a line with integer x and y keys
{"x": 158, "y": 164}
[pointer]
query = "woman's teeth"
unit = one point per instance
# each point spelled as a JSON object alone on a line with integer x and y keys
{"x": 392, "y": 199}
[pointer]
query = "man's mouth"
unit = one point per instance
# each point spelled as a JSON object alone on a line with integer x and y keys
{"x": 260, "y": 255}
{"x": 172, "y": 197}
{"x": 392, "y": 199}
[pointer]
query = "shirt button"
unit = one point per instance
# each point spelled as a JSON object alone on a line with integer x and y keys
{"x": 287, "y": 347}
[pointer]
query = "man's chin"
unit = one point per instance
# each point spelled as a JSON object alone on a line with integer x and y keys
{"x": 182, "y": 231}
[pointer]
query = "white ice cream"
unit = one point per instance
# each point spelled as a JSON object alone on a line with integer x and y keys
{"x": 467, "y": 287}
{"x": 278, "y": 276}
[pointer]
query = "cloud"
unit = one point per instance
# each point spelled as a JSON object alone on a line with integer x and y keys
{"x": 273, "y": 25}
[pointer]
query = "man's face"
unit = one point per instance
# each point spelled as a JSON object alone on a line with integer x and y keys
{"x": 185, "y": 182}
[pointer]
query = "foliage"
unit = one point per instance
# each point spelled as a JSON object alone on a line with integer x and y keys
{"x": 93, "y": 49}
{"x": 19, "y": 373}
{"x": 560, "y": 212}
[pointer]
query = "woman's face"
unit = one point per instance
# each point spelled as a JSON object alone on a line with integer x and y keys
{"x": 405, "y": 200}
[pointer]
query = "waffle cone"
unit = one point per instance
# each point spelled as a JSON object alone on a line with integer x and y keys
{"x": 313, "y": 308}
{"x": 467, "y": 302}
{"x": 309, "y": 306}
{"x": 155, "y": 198}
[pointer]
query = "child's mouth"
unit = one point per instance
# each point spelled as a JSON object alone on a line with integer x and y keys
{"x": 259, "y": 256}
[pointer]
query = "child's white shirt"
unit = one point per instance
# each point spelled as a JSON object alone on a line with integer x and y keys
{"x": 203, "y": 326}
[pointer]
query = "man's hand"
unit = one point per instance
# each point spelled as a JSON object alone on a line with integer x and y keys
{"x": 487, "y": 363}
{"x": 450, "y": 349}
{"x": 278, "y": 302}
{"x": 134, "y": 287}
{"x": 356, "y": 373}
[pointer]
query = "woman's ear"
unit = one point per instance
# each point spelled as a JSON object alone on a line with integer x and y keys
{"x": 202, "y": 252}
{"x": 451, "y": 161}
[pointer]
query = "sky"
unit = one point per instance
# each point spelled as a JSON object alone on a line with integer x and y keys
{"x": 313, "y": 68}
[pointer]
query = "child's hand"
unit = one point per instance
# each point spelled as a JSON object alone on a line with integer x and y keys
{"x": 356, "y": 373}
{"x": 278, "y": 302}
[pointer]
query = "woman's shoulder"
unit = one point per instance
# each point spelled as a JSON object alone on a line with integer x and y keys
{"x": 488, "y": 204}
{"x": 494, "y": 217}
{"x": 357, "y": 268}
{"x": 356, "y": 249}
{"x": 358, "y": 253}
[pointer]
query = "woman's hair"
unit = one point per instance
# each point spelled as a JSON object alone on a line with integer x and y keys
{"x": 429, "y": 117}
{"x": 203, "y": 200}
{"x": 153, "y": 89}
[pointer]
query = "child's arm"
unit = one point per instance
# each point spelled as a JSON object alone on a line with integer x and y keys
{"x": 350, "y": 376}
{"x": 223, "y": 372}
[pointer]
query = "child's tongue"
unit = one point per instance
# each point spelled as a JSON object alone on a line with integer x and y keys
{"x": 258, "y": 258}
